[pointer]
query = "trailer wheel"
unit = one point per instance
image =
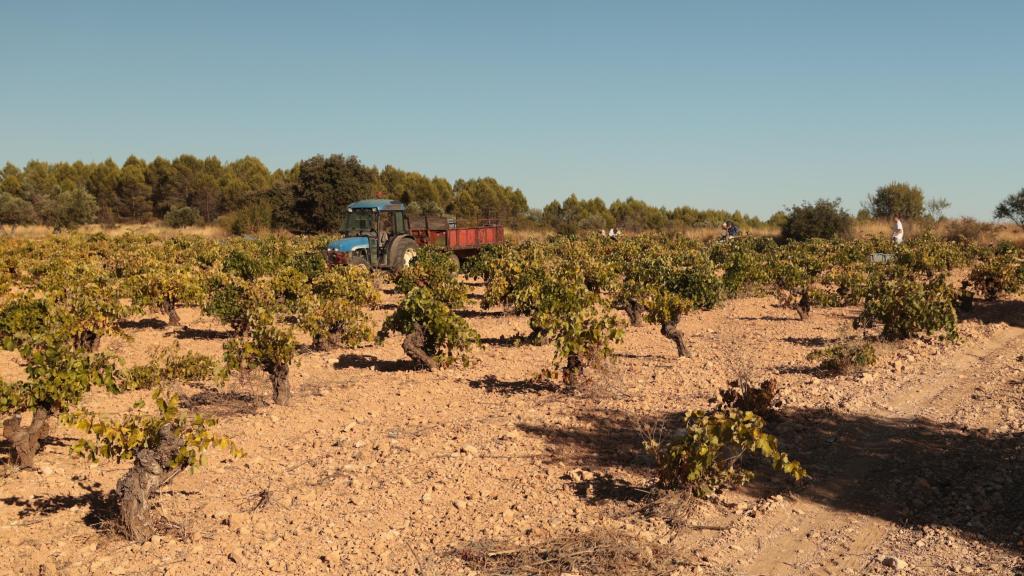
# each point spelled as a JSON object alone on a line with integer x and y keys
{"x": 403, "y": 253}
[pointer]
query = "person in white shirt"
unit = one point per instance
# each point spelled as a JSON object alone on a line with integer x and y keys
{"x": 897, "y": 230}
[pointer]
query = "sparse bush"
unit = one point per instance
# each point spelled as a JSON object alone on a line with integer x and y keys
{"x": 169, "y": 366}
{"x": 762, "y": 400}
{"x": 1012, "y": 208}
{"x": 845, "y": 357}
{"x": 597, "y": 551}
{"x": 162, "y": 446}
{"x": 707, "y": 452}
{"x": 966, "y": 230}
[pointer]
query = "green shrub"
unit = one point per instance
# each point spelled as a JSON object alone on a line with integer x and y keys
{"x": 333, "y": 323}
{"x": 435, "y": 269}
{"x": 577, "y": 320}
{"x": 707, "y": 452}
{"x": 182, "y": 216}
{"x": 265, "y": 346}
{"x": 844, "y": 357}
{"x": 823, "y": 219}
{"x": 928, "y": 255}
{"x": 351, "y": 283}
{"x": 997, "y": 275}
{"x": 251, "y": 219}
{"x": 907, "y": 307}
{"x": 162, "y": 446}
{"x": 169, "y": 366}
{"x": 245, "y": 264}
{"x": 434, "y": 335}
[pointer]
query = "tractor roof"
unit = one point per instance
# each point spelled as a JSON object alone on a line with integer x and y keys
{"x": 379, "y": 204}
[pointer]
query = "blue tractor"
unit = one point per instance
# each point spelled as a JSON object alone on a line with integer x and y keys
{"x": 380, "y": 234}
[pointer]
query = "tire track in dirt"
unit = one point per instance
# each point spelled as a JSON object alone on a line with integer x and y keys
{"x": 814, "y": 537}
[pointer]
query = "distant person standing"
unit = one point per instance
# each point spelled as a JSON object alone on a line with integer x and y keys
{"x": 897, "y": 230}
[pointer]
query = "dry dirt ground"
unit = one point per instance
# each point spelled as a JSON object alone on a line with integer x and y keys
{"x": 917, "y": 466}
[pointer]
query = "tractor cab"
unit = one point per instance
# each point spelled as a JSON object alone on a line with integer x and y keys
{"x": 375, "y": 234}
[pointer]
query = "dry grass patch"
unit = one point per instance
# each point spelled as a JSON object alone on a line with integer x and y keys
{"x": 600, "y": 551}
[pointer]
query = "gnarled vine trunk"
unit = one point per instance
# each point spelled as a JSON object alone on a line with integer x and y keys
{"x": 153, "y": 468}
{"x": 26, "y": 439}
{"x": 321, "y": 342}
{"x": 670, "y": 331}
{"x": 537, "y": 337}
{"x": 172, "y": 314}
{"x": 413, "y": 344}
{"x": 572, "y": 374}
{"x": 88, "y": 341}
{"x": 635, "y": 311}
{"x": 327, "y": 341}
{"x": 279, "y": 380}
{"x": 803, "y": 307}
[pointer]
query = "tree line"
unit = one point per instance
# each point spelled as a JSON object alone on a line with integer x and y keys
{"x": 245, "y": 196}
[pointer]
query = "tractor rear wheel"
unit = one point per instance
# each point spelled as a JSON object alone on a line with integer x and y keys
{"x": 402, "y": 253}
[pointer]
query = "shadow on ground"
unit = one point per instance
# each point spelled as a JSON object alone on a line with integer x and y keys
{"x": 812, "y": 342}
{"x": 913, "y": 472}
{"x": 608, "y": 438}
{"x": 152, "y": 323}
{"x": 479, "y": 313}
{"x": 186, "y": 333}
{"x": 606, "y": 487}
{"x": 102, "y": 506}
{"x": 506, "y": 341}
{"x": 367, "y": 361}
{"x": 492, "y": 384}
{"x": 1009, "y": 311}
{"x": 220, "y": 404}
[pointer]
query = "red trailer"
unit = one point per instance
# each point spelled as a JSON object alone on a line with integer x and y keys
{"x": 462, "y": 242}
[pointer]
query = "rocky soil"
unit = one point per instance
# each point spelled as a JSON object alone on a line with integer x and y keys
{"x": 917, "y": 466}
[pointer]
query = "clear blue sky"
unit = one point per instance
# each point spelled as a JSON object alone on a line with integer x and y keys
{"x": 750, "y": 105}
